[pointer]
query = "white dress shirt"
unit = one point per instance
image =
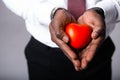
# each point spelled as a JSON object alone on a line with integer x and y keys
{"x": 36, "y": 14}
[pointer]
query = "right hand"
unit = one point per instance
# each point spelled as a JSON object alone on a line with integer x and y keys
{"x": 61, "y": 18}
{"x": 57, "y": 26}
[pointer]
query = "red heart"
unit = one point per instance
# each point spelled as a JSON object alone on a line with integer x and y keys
{"x": 79, "y": 35}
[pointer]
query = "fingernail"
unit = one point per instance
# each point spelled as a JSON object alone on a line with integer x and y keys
{"x": 77, "y": 69}
{"x": 82, "y": 68}
{"x": 84, "y": 64}
{"x": 65, "y": 39}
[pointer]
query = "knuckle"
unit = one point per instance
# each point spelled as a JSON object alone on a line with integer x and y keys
{"x": 59, "y": 35}
{"x": 53, "y": 38}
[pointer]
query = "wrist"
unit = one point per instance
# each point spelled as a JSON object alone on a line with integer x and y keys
{"x": 99, "y": 11}
{"x": 53, "y": 12}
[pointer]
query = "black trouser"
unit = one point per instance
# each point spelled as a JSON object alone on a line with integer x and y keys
{"x": 46, "y": 63}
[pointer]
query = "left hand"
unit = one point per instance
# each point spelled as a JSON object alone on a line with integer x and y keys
{"x": 97, "y": 23}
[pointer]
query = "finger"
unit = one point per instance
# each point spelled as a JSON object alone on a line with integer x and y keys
{"x": 97, "y": 31}
{"x": 92, "y": 49}
{"x": 70, "y": 54}
{"x": 82, "y": 56}
{"x": 59, "y": 32}
{"x": 66, "y": 49}
{"x": 93, "y": 46}
{"x": 88, "y": 53}
{"x": 62, "y": 35}
{"x": 84, "y": 63}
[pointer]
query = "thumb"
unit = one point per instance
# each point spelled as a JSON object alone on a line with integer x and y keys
{"x": 63, "y": 36}
{"x": 59, "y": 31}
{"x": 97, "y": 31}
{"x": 65, "y": 39}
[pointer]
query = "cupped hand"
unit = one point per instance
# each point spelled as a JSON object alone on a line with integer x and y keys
{"x": 61, "y": 18}
{"x": 97, "y": 23}
{"x": 81, "y": 59}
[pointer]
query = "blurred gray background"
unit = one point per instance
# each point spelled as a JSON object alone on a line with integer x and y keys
{"x": 14, "y": 37}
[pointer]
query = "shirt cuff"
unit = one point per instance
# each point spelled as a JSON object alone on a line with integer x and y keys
{"x": 110, "y": 11}
{"x": 54, "y": 11}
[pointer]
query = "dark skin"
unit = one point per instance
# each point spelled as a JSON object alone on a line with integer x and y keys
{"x": 80, "y": 59}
